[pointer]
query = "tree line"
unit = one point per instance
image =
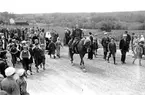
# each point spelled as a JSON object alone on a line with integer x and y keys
{"x": 103, "y": 21}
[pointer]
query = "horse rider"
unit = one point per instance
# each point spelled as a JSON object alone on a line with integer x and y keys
{"x": 76, "y": 36}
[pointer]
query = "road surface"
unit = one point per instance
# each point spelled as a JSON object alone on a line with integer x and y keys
{"x": 101, "y": 78}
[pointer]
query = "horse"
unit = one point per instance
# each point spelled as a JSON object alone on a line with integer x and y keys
{"x": 81, "y": 48}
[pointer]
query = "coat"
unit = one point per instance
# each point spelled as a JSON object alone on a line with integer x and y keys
{"x": 105, "y": 41}
{"x": 123, "y": 45}
{"x": 23, "y": 86}
{"x": 52, "y": 48}
{"x": 37, "y": 53}
{"x": 77, "y": 33}
{"x": 112, "y": 47}
{"x": 10, "y": 86}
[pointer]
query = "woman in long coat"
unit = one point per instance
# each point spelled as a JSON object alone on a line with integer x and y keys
{"x": 52, "y": 48}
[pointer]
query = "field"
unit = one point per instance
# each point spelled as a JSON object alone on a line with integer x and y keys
{"x": 101, "y": 78}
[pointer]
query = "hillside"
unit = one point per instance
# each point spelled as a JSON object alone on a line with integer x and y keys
{"x": 105, "y": 21}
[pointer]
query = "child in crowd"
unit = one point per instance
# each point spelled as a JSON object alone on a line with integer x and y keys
{"x": 112, "y": 50}
{"x": 25, "y": 57}
{"x": 138, "y": 52}
{"x": 52, "y": 48}
{"x": 31, "y": 58}
{"x": 58, "y": 45}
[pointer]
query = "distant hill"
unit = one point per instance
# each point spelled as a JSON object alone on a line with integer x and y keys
{"x": 105, "y": 21}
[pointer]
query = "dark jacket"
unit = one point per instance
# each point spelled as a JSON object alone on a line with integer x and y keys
{"x": 112, "y": 47}
{"x": 123, "y": 45}
{"x": 77, "y": 33}
{"x": 105, "y": 41}
{"x": 37, "y": 53}
{"x": 128, "y": 39}
{"x": 52, "y": 48}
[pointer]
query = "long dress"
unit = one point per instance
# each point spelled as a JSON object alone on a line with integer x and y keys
{"x": 58, "y": 45}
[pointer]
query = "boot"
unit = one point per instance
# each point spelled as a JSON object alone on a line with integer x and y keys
{"x": 114, "y": 60}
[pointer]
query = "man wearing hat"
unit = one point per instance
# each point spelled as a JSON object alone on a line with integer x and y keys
{"x": 123, "y": 46}
{"x": 105, "y": 41}
{"x": 9, "y": 84}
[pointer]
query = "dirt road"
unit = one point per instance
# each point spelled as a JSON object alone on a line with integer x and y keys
{"x": 101, "y": 78}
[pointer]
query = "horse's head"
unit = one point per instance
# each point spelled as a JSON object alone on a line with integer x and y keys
{"x": 87, "y": 43}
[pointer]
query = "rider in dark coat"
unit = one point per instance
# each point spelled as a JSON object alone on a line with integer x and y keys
{"x": 77, "y": 35}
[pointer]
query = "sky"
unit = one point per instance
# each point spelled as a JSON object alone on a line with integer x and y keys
{"x": 70, "y": 6}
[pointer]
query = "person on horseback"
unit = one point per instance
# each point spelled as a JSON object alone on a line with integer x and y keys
{"x": 76, "y": 36}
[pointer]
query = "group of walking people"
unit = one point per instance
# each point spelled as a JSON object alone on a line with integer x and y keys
{"x": 127, "y": 42}
{"x": 25, "y": 49}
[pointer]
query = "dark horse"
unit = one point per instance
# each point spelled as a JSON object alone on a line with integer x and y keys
{"x": 81, "y": 48}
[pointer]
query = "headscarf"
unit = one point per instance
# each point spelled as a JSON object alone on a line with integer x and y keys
{"x": 142, "y": 38}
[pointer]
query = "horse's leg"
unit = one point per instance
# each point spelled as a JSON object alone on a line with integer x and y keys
{"x": 133, "y": 60}
{"x": 71, "y": 57}
{"x": 43, "y": 64}
{"x": 36, "y": 65}
{"x": 82, "y": 61}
